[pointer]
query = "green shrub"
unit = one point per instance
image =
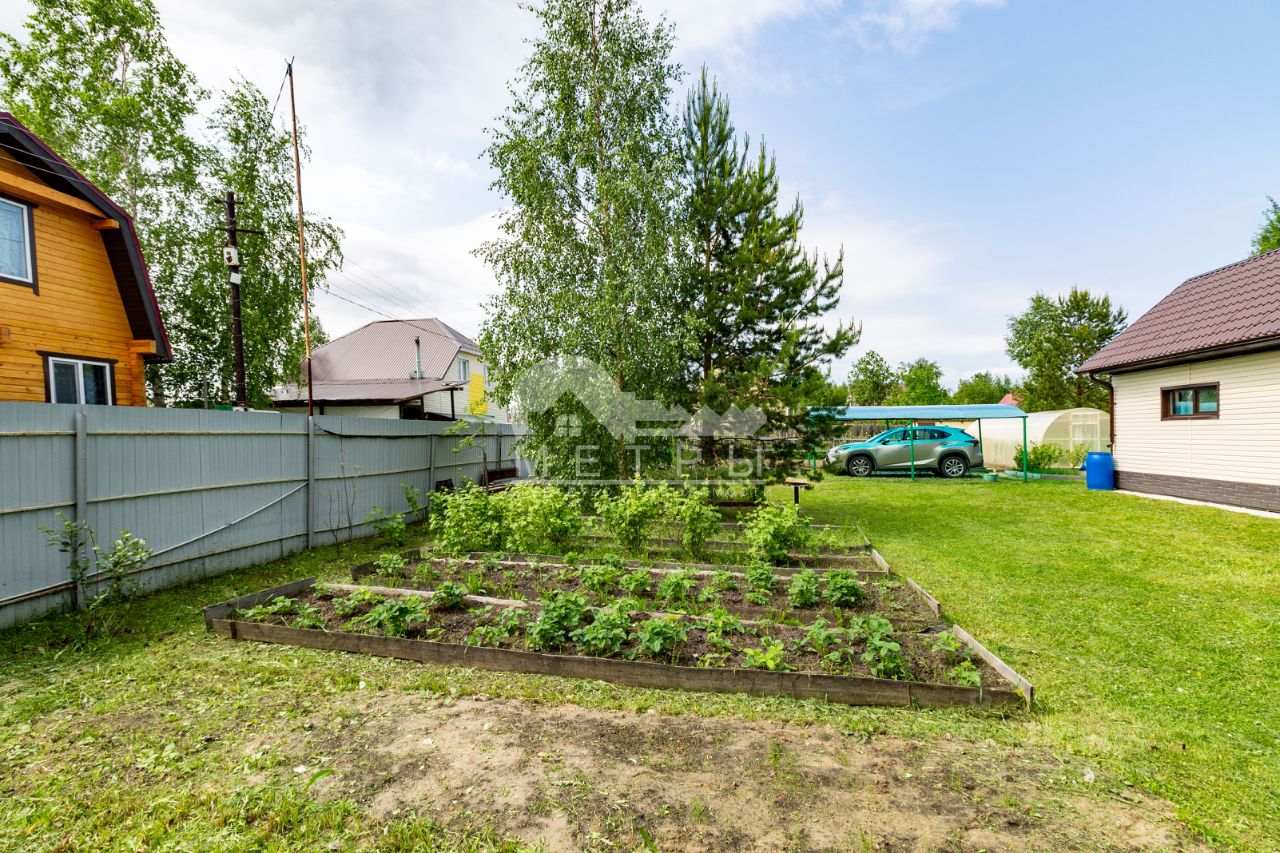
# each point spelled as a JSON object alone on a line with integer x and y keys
{"x": 630, "y": 513}
{"x": 844, "y": 590}
{"x": 1042, "y": 456}
{"x": 1075, "y": 456}
{"x": 469, "y": 520}
{"x": 660, "y": 639}
{"x": 391, "y": 527}
{"x": 698, "y": 519}
{"x": 774, "y": 530}
{"x": 606, "y": 634}
{"x": 803, "y": 589}
{"x": 540, "y": 519}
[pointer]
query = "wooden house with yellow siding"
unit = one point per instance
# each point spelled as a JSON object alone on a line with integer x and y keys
{"x": 407, "y": 369}
{"x": 78, "y": 318}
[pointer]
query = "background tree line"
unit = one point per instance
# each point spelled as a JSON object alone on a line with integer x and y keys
{"x": 98, "y": 82}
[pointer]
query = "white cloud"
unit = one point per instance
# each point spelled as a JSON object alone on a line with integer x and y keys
{"x": 905, "y": 25}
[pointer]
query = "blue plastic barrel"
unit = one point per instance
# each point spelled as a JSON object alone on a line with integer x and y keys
{"x": 1099, "y": 472}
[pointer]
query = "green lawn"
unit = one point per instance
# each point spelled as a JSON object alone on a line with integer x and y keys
{"x": 1147, "y": 627}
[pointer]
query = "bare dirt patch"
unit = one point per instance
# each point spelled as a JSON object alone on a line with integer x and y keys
{"x": 572, "y": 778}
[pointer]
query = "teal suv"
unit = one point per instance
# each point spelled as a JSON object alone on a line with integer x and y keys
{"x": 949, "y": 451}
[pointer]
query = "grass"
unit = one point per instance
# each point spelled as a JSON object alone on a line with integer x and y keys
{"x": 1148, "y": 628}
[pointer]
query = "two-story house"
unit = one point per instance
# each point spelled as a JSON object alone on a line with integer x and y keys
{"x": 78, "y": 318}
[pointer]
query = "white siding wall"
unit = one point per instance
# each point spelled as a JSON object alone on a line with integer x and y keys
{"x": 1241, "y": 445}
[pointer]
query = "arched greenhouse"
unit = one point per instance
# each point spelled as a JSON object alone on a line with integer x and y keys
{"x": 1081, "y": 430}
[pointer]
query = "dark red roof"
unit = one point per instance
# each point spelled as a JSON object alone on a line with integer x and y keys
{"x": 123, "y": 249}
{"x": 1235, "y": 306}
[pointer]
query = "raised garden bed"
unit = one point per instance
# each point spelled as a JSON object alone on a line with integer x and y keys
{"x": 837, "y": 654}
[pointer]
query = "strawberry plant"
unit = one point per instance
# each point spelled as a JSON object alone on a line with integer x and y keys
{"x": 495, "y": 631}
{"x": 353, "y": 603}
{"x": 775, "y": 530}
{"x": 868, "y": 627}
{"x": 307, "y": 616}
{"x": 821, "y": 636}
{"x": 675, "y": 588}
{"x": 448, "y": 596}
{"x": 760, "y": 576}
{"x": 636, "y": 584}
{"x": 424, "y": 575}
{"x": 964, "y": 674}
{"x": 769, "y": 656}
{"x": 605, "y": 635}
{"x": 885, "y": 658}
{"x": 562, "y": 613}
{"x": 599, "y": 579}
{"x": 843, "y": 589}
{"x": 949, "y": 646}
{"x": 392, "y": 616}
{"x": 389, "y": 565}
{"x": 280, "y": 606}
{"x": 660, "y": 639}
{"x": 803, "y": 589}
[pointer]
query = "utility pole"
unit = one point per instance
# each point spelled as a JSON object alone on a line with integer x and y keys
{"x": 302, "y": 242}
{"x": 232, "y": 256}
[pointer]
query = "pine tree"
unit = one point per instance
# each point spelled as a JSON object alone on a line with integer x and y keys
{"x": 755, "y": 296}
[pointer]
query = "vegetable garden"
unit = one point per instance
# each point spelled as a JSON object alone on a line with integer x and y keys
{"x": 647, "y": 586}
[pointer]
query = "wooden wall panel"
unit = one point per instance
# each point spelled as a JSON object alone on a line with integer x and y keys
{"x": 77, "y": 310}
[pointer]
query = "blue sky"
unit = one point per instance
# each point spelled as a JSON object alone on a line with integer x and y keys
{"x": 966, "y": 153}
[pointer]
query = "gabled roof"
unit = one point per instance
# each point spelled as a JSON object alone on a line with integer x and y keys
{"x": 1232, "y": 309}
{"x": 123, "y": 249}
{"x": 377, "y": 362}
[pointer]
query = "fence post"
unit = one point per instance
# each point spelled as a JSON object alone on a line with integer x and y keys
{"x": 431, "y": 470}
{"x": 82, "y": 492}
{"x": 311, "y": 482}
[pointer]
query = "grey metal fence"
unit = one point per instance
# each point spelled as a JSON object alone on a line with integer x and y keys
{"x": 210, "y": 491}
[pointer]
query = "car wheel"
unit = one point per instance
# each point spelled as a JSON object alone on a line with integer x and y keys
{"x": 859, "y": 466}
{"x": 953, "y": 467}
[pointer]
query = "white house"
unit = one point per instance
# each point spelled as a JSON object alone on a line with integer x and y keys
{"x": 407, "y": 369}
{"x": 1195, "y": 389}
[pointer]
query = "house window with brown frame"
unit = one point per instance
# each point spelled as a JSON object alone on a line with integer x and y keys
{"x": 1189, "y": 402}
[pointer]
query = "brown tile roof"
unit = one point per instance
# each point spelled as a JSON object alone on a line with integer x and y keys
{"x": 377, "y": 362}
{"x": 1237, "y": 304}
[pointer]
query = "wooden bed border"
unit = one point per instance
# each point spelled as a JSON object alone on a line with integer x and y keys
{"x": 847, "y": 690}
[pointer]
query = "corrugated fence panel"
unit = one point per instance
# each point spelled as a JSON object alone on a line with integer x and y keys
{"x": 209, "y": 491}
